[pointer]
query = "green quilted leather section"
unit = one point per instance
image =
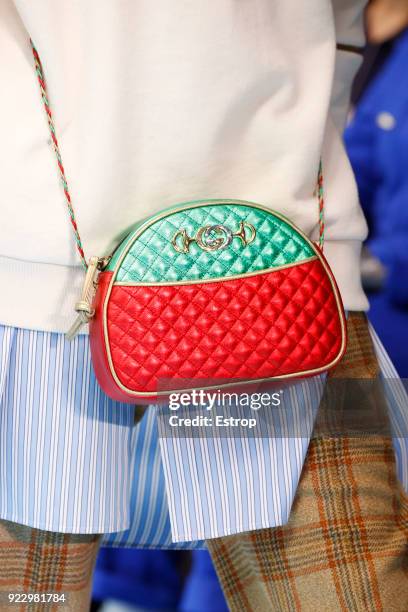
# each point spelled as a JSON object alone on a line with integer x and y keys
{"x": 152, "y": 257}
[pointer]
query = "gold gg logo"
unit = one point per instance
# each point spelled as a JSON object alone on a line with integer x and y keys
{"x": 213, "y": 237}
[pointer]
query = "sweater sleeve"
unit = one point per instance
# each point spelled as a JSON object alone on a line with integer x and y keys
{"x": 346, "y": 231}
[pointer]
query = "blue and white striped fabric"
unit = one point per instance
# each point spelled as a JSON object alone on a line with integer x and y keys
{"x": 72, "y": 460}
{"x": 227, "y": 485}
{"x": 67, "y": 452}
{"x": 397, "y": 399}
{"x": 149, "y": 524}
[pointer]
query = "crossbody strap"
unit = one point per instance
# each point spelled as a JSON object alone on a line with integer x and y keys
{"x": 44, "y": 95}
{"x": 51, "y": 125}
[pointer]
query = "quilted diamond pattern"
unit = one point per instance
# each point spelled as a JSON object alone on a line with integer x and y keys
{"x": 258, "y": 326}
{"x": 152, "y": 257}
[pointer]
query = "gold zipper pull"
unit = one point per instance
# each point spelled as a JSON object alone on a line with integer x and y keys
{"x": 84, "y": 306}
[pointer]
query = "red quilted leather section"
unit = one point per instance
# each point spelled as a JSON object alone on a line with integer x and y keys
{"x": 259, "y": 326}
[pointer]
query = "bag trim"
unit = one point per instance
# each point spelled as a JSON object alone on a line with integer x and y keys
{"x": 217, "y": 279}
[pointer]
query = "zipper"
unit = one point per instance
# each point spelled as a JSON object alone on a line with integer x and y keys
{"x": 84, "y": 306}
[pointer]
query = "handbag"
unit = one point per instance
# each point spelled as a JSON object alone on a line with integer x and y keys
{"x": 207, "y": 294}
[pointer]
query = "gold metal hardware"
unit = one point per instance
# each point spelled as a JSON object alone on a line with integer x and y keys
{"x": 241, "y": 234}
{"x": 185, "y": 241}
{"x": 213, "y": 237}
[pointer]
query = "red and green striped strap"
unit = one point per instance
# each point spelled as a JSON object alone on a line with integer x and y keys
{"x": 320, "y": 196}
{"x": 51, "y": 125}
{"x": 44, "y": 95}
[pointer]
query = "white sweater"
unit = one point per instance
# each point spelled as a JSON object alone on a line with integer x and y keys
{"x": 163, "y": 102}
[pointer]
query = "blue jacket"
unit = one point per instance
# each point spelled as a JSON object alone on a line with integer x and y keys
{"x": 144, "y": 578}
{"x": 377, "y": 143}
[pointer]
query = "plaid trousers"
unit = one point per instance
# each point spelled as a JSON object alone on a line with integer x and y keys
{"x": 35, "y": 561}
{"x": 345, "y": 546}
